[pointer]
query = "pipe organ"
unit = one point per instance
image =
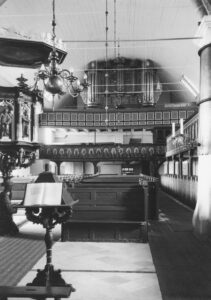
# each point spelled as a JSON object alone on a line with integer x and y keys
{"x": 131, "y": 83}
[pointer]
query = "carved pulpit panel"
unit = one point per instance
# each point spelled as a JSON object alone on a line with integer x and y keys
{"x": 25, "y": 120}
{"x": 6, "y": 119}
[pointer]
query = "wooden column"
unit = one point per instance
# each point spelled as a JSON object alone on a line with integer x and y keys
{"x": 180, "y": 165}
{"x": 173, "y": 165}
{"x": 202, "y": 213}
{"x": 190, "y": 164}
{"x": 167, "y": 167}
{"x": 95, "y": 167}
{"x": 58, "y": 163}
{"x": 84, "y": 167}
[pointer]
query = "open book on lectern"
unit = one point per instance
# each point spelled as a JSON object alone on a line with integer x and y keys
{"x": 42, "y": 194}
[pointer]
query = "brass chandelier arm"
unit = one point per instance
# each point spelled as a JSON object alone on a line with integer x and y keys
{"x": 53, "y": 79}
{"x": 66, "y": 74}
{"x": 73, "y": 91}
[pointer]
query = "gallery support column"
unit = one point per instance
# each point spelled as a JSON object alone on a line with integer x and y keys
{"x": 58, "y": 163}
{"x": 180, "y": 171}
{"x": 173, "y": 159}
{"x": 202, "y": 214}
{"x": 96, "y": 170}
{"x": 167, "y": 166}
{"x": 190, "y": 164}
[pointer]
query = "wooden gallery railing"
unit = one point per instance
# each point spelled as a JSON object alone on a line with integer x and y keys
{"x": 101, "y": 152}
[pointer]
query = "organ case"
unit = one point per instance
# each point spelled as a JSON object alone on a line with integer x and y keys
{"x": 131, "y": 83}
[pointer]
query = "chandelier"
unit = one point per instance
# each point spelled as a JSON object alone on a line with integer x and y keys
{"x": 56, "y": 81}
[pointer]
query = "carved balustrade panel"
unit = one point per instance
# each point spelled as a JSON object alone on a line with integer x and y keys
{"x": 101, "y": 152}
{"x": 162, "y": 115}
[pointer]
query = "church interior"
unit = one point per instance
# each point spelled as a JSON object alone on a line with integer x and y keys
{"x": 105, "y": 149}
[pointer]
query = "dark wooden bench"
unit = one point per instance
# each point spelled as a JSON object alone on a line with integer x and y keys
{"x": 105, "y": 230}
{"x": 35, "y": 292}
{"x": 18, "y": 192}
{"x": 109, "y": 209}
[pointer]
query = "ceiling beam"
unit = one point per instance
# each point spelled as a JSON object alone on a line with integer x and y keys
{"x": 207, "y": 6}
{"x": 2, "y": 2}
{"x": 136, "y": 40}
{"x": 202, "y": 6}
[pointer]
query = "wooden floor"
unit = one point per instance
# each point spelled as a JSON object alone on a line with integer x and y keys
{"x": 182, "y": 261}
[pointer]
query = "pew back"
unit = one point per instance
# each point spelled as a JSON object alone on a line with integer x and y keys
{"x": 109, "y": 209}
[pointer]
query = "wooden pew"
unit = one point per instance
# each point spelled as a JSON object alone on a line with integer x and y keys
{"x": 18, "y": 191}
{"x": 110, "y": 209}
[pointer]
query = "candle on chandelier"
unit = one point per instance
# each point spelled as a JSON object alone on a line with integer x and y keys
{"x": 42, "y": 68}
{"x": 71, "y": 71}
{"x": 85, "y": 77}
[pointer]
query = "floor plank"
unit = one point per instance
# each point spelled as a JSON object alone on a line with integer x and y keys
{"x": 182, "y": 262}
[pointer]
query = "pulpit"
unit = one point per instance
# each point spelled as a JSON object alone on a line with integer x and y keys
{"x": 18, "y": 141}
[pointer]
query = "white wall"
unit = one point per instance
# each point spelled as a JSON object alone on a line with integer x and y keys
{"x": 67, "y": 168}
{"x": 78, "y": 167}
{"x": 45, "y": 135}
{"x": 38, "y": 166}
{"x": 62, "y": 136}
{"x": 165, "y": 168}
{"x": 21, "y": 172}
{"x": 145, "y": 136}
{"x": 176, "y": 168}
{"x": 185, "y": 167}
{"x": 87, "y": 137}
{"x": 89, "y": 168}
{"x": 171, "y": 167}
{"x": 71, "y": 168}
{"x": 110, "y": 168}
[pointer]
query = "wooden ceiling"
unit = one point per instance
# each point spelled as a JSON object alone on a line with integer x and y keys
{"x": 160, "y": 30}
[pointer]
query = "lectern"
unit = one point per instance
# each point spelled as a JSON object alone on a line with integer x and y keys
{"x": 42, "y": 203}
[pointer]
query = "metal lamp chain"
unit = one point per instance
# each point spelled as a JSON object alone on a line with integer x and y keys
{"x": 54, "y": 26}
{"x": 106, "y": 74}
